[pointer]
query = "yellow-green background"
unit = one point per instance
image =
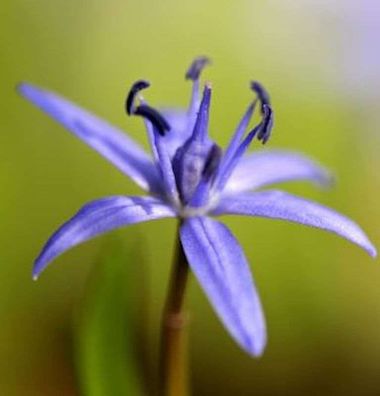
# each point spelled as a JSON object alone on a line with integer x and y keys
{"x": 321, "y": 295}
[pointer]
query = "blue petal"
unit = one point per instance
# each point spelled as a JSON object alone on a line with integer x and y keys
{"x": 284, "y": 206}
{"x": 219, "y": 263}
{"x": 165, "y": 167}
{"x": 113, "y": 144}
{"x": 274, "y": 166}
{"x": 98, "y": 217}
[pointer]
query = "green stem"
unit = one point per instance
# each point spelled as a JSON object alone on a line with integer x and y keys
{"x": 173, "y": 354}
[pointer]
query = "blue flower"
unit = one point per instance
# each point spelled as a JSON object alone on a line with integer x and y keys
{"x": 190, "y": 178}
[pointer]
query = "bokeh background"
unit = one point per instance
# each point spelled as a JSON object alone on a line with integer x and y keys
{"x": 98, "y": 306}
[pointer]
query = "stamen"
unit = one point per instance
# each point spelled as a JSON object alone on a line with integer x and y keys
{"x": 212, "y": 161}
{"x": 262, "y": 94}
{"x": 262, "y": 131}
{"x": 143, "y": 110}
{"x": 237, "y": 136}
{"x": 265, "y": 127}
{"x": 201, "y": 124}
{"x": 266, "y": 124}
{"x": 196, "y": 67}
{"x": 202, "y": 192}
{"x": 136, "y": 88}
{"x": 154, "y": 117}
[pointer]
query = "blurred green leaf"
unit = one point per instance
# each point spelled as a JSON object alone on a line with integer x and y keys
{"x": 106, "y": 353}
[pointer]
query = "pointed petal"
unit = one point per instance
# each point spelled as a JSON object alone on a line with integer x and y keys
{"x": 274, "y": 166}
{"x": 284, "y": 206}
{"x": 219, "y": 263}
{"x": 98, "y": 217}
{"x": 166, "y": 168}
{"x": 113, "y": 144}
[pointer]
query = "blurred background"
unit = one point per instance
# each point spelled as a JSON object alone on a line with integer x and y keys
{"x": 64, "y": 334}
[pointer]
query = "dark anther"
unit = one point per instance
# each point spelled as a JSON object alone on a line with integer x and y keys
{"x": 212, "y": 161}
{"x": 196, "y": 67}
{"x": 136, "y": 88}
{"x": 154, "y": 117}
{"x": 266, "y": 125}
{"x": 143, "y": 110}
{"x": 262, "y": 94}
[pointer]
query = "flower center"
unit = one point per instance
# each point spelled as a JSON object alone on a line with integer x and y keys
{"x": 193, "y": 170}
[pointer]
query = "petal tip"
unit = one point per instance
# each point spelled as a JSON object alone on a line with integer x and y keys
{"x": 369, "y": 247}
{"x": 25, "y": 89}
{"x": 372, "y": 251}
{"x": 40, "y": 263}
{"x": 255, "y": 348}
{"x": 258, "y": 352}
{"x": 35, "y": 273}
{"x": 326, "y": 178}
{"x": 20, "y": 87}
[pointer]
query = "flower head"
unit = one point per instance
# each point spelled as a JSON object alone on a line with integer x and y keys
{"x": 188, "y": 176}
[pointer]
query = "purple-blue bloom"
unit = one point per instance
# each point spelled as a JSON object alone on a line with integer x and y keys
{"x": 189, "y": 177}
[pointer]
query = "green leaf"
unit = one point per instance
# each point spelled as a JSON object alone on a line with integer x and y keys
{"x": 106, "y": 347}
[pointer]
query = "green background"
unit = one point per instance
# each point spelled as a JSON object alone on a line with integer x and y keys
{"x": 321, "y": 295}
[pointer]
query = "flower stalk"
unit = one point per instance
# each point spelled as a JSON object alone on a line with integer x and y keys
{"x": 173, "y": 368}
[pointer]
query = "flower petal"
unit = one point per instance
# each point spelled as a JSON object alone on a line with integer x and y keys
{"x": 274, "y": 166}
{"x": 98, "y": 217}
{"x": 219, "y": 263}
{"x": 281, "y": 205}
{"x": 109, "y": 141}
{"x": 166, "y": 168}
